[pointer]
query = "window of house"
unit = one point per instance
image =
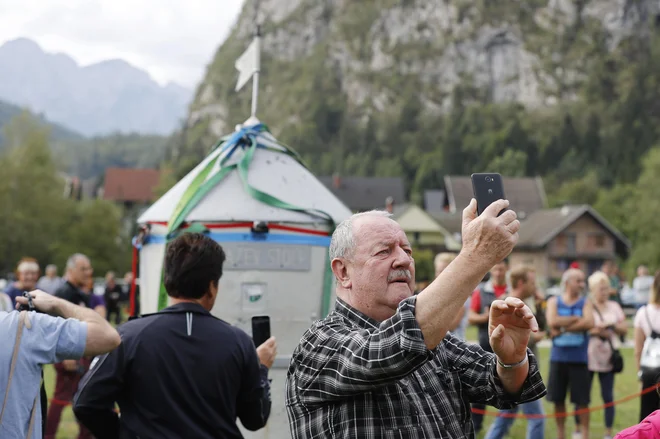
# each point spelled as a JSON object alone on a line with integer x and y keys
{"x": 599, "y": 240}
{"x": 571, "y": 246}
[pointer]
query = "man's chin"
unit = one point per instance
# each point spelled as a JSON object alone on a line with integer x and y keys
{"x": 400, "y": 292}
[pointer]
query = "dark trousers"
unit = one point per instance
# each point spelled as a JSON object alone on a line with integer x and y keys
{"x": 66, "y": 385}
{"x": 650, "y": 402}
{"x": 606, "y": 392}
{"x": 114, "y": 311}
{"x": 478, "y": 419}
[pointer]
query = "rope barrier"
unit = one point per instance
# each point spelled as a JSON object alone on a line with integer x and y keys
{"x": 514, "y": 415}
{"x": 568, "y": 414}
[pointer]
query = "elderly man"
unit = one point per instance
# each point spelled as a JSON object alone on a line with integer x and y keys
{"x": 383, "y": 364}
{"x": 51, "y": 281}
{"x": 69, "y": 372}
{"x": 570, "y": 317}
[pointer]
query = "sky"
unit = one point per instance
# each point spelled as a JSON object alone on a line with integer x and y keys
{"x": 173, "y": 40}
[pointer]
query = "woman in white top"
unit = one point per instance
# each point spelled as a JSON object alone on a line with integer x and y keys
{"x": 609, "y": 324}
{"x": 647, "y": 324}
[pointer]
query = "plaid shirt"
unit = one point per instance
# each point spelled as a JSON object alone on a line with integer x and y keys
{"x": 354, "y": 377}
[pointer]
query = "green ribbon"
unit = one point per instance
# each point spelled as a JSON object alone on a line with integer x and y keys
{"x": 201, "y": 185}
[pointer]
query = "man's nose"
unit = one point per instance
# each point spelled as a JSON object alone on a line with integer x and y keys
{"x": 402, "y": 258}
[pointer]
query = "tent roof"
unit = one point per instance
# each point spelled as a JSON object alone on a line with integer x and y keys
{"x": 272, "y": 172}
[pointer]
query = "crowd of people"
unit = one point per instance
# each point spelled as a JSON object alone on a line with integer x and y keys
{"x": 585, "y": 324}
{"x": 77, "y": 287}
{"x": 388, "y": 361}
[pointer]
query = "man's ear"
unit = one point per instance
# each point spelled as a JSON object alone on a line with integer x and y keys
{"x": 340, "y": 270}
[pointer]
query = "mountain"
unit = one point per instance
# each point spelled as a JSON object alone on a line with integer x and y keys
{"x": 102, "y": 98}
{"x": 57, "y": 132}
{"x": 423, "y": 89}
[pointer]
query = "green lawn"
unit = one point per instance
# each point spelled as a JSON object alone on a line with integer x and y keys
{"x": 625, "y": 384}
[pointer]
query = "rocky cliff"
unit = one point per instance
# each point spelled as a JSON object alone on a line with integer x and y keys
{"x": 324, "y": 60}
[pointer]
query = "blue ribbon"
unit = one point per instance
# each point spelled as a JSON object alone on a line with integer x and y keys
{"x": 270, "y": 238}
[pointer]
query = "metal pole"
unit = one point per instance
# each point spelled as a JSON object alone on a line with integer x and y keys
{"x": 255, "y": 76}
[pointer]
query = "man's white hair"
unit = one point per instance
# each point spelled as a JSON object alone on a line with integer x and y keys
{"x": 343, "y": 242}
{"x": 71, "y": 262}
{"x": 568, "y": 275}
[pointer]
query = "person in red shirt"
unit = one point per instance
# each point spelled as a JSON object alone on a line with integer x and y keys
{"x": 482, "y": 297}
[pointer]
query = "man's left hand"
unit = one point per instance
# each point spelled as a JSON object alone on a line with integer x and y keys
{"x": 509, "y": 326}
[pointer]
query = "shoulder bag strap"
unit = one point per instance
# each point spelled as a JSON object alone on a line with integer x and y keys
{"x": 14, "y": 357}
{"x": 646, "y": 313}
{"x": 597, "y": 311}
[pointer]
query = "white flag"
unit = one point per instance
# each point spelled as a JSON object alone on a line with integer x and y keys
{"x": 248, "y": 64}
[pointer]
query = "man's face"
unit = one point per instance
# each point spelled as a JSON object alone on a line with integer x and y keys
{"x": 576, "y": 283}
{"x": 498, "y": 273}
{"x": 28, "y": 279}
{"x": 110, "y": 279}
{"x": 381, "y": 268}
{"x": 530, "y": 285}
{"x": 607, "y": 268}
{"x": 81, "y": 274}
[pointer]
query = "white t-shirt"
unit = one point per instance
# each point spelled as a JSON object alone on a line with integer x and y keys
{"x": 653, "y": 316}
{"x": 642, "y": 287}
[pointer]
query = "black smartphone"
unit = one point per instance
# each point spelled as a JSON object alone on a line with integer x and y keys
{"x": 487, "y": 187}
{"x": 260, "y": 329}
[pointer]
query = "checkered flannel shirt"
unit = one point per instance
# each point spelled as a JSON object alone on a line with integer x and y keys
{"x": 354, "y": 377}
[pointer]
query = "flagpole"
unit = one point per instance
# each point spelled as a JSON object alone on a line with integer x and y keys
{"x": 255, "y": 76}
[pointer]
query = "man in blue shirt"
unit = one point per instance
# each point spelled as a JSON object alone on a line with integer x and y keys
{"x": 60, "y": 331}
{"x": 570, "y": 317}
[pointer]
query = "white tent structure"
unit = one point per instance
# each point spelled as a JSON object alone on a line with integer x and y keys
{"x": 273, "y": 219}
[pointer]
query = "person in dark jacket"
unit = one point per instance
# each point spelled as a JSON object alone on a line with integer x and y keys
{"x": 181, "y": 372}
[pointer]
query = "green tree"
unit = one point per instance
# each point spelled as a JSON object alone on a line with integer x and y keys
{"x": 645, "y": 211}
{"x": 31, "y": 193}
{"x": 95, "y": 229}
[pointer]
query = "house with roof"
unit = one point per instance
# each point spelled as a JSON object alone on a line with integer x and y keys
{"x": 130, "y": 186}
{"x": 133, "y": 189}
{"x": 526, "y": 194}
{"x": 360, "y": 194}
{"x": 551, "y": 239}
{"x": 421, "y": 228}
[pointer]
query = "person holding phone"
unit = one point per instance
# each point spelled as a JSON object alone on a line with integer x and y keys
{"x": 180, "y": 372}
{"x": 384, "y": 364}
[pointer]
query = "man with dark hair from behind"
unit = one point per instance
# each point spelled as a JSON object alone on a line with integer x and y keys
{"x": 180, "y": 372}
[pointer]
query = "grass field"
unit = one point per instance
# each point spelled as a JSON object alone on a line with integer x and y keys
{"x": 626, "y": 383}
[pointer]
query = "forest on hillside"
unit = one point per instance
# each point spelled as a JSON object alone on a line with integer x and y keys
{"x": 87, "y": 157}
{"x": 38, "y": 221}
{"x": 599, "y": 143}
